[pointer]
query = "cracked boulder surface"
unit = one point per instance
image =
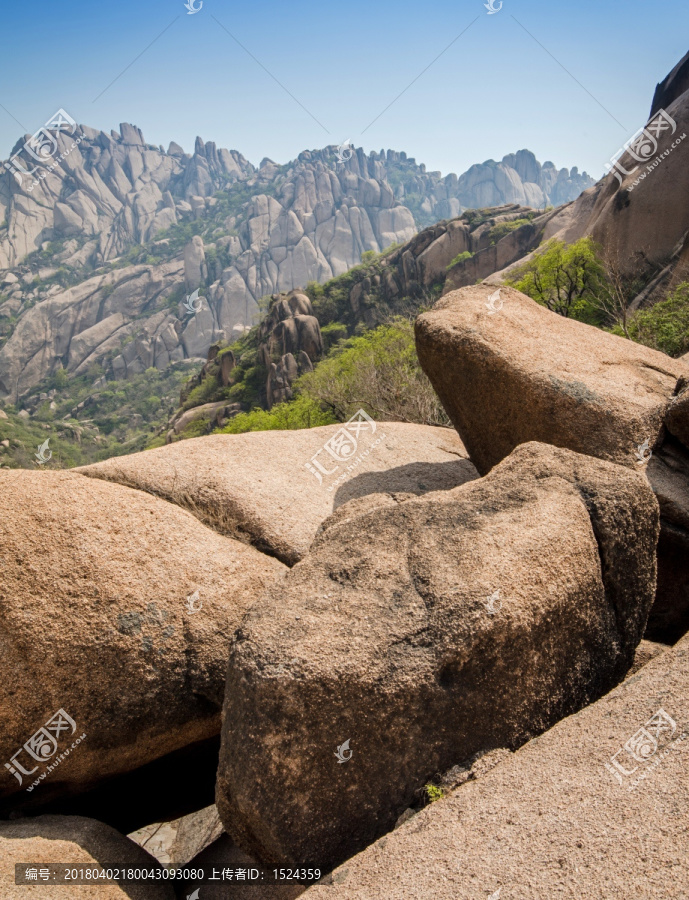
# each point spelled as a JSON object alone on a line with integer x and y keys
{"x": 425, "y": 631}
{"x": 508, "y": 371}
{"x": 96, "y": 620}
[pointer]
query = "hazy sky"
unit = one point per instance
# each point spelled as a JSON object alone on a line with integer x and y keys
{"x": 499, "y": 87}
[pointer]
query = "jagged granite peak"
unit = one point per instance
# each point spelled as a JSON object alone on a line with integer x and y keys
{"x": 115, "y": 187}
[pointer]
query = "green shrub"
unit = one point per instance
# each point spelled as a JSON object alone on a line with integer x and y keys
{"x": 664, "y": 326}
{"x": 433, "y": 792}
{"x": 206, "y": 392}
{"x": 499, "y": 231}
{"x": 333, "y": 333}
{"x": 302, "y": 412}
{"x": 461, "y": 257}
{"x": 377, "y": 371}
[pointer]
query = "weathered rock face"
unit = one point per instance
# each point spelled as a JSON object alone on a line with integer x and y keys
{"x": 318, "y": 227}
{"x": 641, "y": 219}
{"x": 519, "y": 178}
{"x": 554, "y": 818}
{"x": 290, "y": 342}
{"x": 74, "y": 839}
{"x": 95, "y": 589}
{"x": 447, "y": 254}
{"x": 415, "y": 635}
{"x": 195, "y": 268}
{"x": 273, "y": 489}
{"x": 96, "y": 320}
{"x": 509, "y": 371}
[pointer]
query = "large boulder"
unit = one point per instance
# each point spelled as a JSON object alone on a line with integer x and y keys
{"x": 275, "y": 488}
{"x": 51, "y": 840}
{"x": 419, "y": 633}
{"x": 117, "y": 610}
{"x": 508, "y": 370}
{"x": 559, "y": 818}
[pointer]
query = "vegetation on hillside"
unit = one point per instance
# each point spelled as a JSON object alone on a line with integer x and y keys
{"x": 331, "y": 303}
{"x": 577, "y": 281}
{"x": 302, "y": 412}
{"x": 84, "y": 423}
{"x": 664, "y": 326}
{"x": 378, "y": 372}
{"x": 366, "y": 366}
{"x": 499, "y": 231}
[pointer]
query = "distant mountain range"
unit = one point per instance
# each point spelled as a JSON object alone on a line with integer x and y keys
{"x": 101, "y": 244}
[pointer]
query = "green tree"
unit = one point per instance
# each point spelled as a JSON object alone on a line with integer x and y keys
{"x": 569, "y": 280}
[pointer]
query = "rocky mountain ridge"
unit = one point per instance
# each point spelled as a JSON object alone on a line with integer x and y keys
{"x": 96, "y": 259}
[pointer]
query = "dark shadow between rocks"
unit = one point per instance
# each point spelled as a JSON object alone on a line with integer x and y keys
{"x": 167, "y": 788}
{"x": 413, "y": 478}
{"x": 668, "y": 474}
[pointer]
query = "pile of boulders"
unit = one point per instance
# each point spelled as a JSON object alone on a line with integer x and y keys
{"x": 354, "y": 620}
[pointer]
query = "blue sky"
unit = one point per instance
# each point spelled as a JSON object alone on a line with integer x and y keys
{"x": 493, "y": 91}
